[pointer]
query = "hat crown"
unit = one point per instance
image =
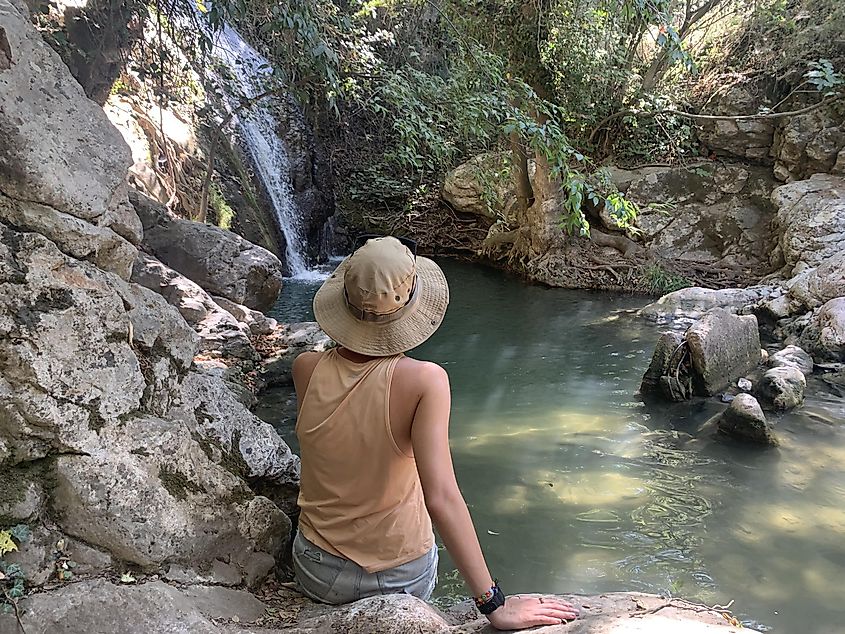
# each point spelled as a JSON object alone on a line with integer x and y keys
{"x": 380, "y": 276}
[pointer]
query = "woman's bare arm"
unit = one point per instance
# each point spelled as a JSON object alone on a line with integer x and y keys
{"x": 430, "y": 440}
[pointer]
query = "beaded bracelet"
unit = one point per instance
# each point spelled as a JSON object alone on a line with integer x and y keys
{"x": 484, "y": 598}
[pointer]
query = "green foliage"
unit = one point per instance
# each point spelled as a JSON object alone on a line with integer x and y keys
{"x": 660, "y": 281}
{"x": 223, "y": 213}
{"x": 12, "y": 585}
{"x": 823, "y": 76}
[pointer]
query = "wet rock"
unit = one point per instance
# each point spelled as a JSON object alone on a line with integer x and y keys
{"x": 62, "y": 165}
{"x": 824, "y": 335}
{"x": 668, "y": 345}
{"x": 722, "y": 347}
{"x": 783, "y": 387}
{"x": 792, "y": 356}
{"x": 218, "y": 330}
{"x": 744, "y": 420}
{"x": 810, "y": 221}
{"x": 219, "y": 261}
{"x": 690, "y": 304}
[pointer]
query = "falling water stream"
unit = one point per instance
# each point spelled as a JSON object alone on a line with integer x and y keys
{"x": 577, "y": 486}
{"x": 259, "y": 131}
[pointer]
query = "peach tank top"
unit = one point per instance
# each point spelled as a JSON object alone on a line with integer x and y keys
{"x": 360, "y": 495}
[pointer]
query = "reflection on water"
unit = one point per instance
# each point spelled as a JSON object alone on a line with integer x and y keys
{"x": 577, "y": 487}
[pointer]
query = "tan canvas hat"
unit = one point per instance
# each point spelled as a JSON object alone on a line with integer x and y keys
{"x": 382, "y": 300}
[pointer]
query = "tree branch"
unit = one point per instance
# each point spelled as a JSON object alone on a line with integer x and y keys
{"x": 711, "y": 117}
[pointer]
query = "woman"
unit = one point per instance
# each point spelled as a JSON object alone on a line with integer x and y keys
{"x": 373, "y": 430}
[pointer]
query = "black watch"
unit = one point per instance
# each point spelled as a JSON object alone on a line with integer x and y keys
{"x": 493, "y": 603}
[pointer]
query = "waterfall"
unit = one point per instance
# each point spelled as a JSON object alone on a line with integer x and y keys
{"x": 258, "y": 129}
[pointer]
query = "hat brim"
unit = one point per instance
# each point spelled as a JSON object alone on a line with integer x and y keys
{"x": 382, "y": 339}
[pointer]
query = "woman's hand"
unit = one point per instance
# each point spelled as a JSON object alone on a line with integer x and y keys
{"x": 520, "y": 612}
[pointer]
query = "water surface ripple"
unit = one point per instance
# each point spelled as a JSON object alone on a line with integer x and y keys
{"x": 575, "y": 486}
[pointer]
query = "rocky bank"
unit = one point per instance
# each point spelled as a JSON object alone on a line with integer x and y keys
{"x": 151, "y": 498}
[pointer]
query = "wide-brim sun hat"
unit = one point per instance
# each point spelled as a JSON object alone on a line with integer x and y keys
{"x": 382, "y": 300}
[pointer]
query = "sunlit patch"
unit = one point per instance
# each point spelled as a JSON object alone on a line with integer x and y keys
{"x": 597, "y": 488}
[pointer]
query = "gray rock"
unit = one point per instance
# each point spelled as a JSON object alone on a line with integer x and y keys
{"x": 265, "y": 525}
{"x": 236, "y": 437}
{"x": 258, "y": 323}
{"x": 150, "y": 495}
{"x": 668, "y": 344}
{"x": 100, "y": 607}
{"x": 792, "y": 356}
{"x": 744, "y": 420}
{"x": 743, "y": 139}
{"x": 477, "y": 187}
{"x": 783, "y": 387}
{"x": 62, "y": 164}
{"x": 808, "y": 144}
{"x": 722, "y": 347}
{"x": 21, "y": 498}
{"x": 812, "y": 287}
{"x": 690, "y": 304}
{"x": 810, "y": 220}
{"x": 824, "y": 335}
{"x": 225, "y": 603}
{"x": 218, "y": 330}
{"x": 220, "y": 261}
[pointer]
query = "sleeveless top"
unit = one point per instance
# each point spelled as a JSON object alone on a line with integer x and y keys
{"x": 360, "y": 495}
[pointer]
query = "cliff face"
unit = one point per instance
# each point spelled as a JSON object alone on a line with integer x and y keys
{"x": 112, "y": 442}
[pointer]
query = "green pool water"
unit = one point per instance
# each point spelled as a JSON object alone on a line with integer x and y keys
{"x": 577, "y": 486}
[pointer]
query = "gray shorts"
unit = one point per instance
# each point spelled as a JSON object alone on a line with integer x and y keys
{"x": 327, "y": 578}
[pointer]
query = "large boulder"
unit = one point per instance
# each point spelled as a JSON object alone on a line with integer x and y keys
{"x": 810, "y": 221}
{"x": 783, "y": 386}
{"x": 690, "y": 304}
{"x": 722, "y": 347}
{"x": 236, "y": 438}
{"x": 744, "y": 420}
{"x": 656, "y": 378}
{"x": 218, "y": 329}
{"x": 101, "y": 607}
{"x": 81, "y": 348}
{"x": 149, "y": 494}
{"x": 482, "y": 186}
{"x": 812, "y": 287}
{"x": 824, "y": 336}
{"x": 808, "y": 144}
{"x": 707, "y": 214}
{"x": 747, "y": 139}
{"x": 220, "y": 261}
{"x": 62, "y": 164}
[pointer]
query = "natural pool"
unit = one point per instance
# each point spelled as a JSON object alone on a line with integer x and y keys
{"x": 576, "y": 486}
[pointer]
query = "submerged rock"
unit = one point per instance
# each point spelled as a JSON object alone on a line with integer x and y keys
{"x": 783, "y": 387}
{"x": 744, "y": 420}
{"x": 722, "y": 347}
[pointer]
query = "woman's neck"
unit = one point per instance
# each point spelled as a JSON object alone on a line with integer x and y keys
{"x": 354, "y": 356}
